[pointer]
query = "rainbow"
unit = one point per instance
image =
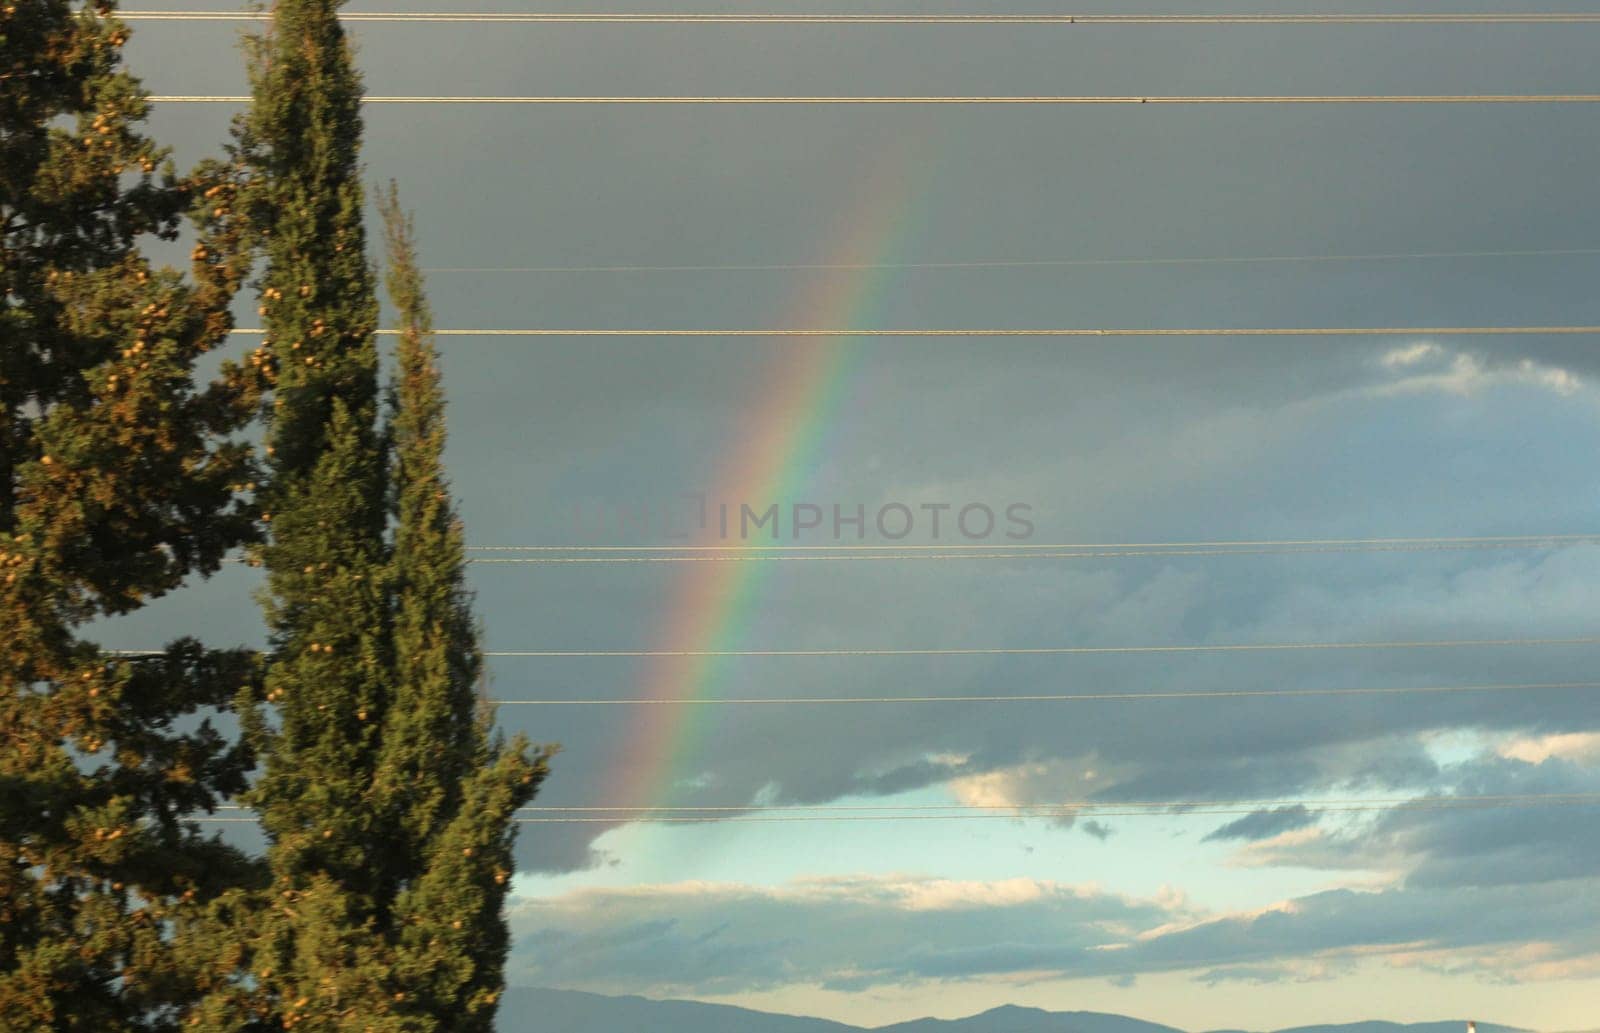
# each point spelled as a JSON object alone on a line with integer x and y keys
{"x": 785, "y": 429}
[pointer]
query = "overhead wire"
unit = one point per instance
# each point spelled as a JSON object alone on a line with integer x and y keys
{"x": 1049, "y": 807}
{"x": 1532, "y": 540}
{"x": 1234, "y": 647}
{"x": 1249, "y": 647}
{"x": 523, "y": 555}
{"x": 1089, "y": 697}
{"x": 1057, "y": 807}
{"x": 1037, "y": 99}
{"x": 1290, "y": 331}
{"x": 1025, "y": 263}
{"x": 776, "y": 18}
{"x": 1024, "y": 812}
{"x": 749, "y": 554}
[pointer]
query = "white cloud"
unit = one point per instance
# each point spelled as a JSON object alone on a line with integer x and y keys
{"x": 1039, "y": 784}
{"x": 1428, "y": 368}
{"x": 1582, "y": 747}
{"x": 1410, "y": 355}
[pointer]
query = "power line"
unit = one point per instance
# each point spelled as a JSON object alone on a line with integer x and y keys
{"x": 1296, "y": 331}
{"x": 1049, "y": 807}
{"x": 1072, "y": 806}
{"x": 1254, "y": 647}
{"x": 1531, "y": 540}
{"x": 843, "y": 553}
{"x": 1025, "y": 812}
{"x": 1097, "y": 697}
{"x": 1092, "y": 697}
{"x": 1248, "y": 647}
{"x": 733, "y": 554}
{"x": 725, "y": 99}
{"x": 543, "y": 18}
{"x": 1012, "y": 263}
{"x": 1589, "y": 800}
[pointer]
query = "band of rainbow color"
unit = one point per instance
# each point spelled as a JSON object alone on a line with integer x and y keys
{"x": 789, "y": 424}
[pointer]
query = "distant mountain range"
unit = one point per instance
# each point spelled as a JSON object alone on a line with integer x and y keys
{"x": 526, "y": 1010}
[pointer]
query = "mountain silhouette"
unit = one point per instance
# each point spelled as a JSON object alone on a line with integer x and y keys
{"x": 532, "y": 1010}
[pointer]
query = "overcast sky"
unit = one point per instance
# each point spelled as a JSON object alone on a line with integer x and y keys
{"x": 1274, "y": 916}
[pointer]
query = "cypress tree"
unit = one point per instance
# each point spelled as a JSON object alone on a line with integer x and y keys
{"x": 314, "y": 948}
{"x": 449, "y": 790}
{"x": 119, "y": 481}
{"x": 386, "y": 804}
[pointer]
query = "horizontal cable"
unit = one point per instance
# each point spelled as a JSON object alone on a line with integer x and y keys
{"x": 1413, "y": 98}
{"x": 1292, "y": 331}
{"x": 954, "y": 551}
{"x": 1051, "y": 807}
{"x": 1246, "y": 647}
{"x": 1589, "y": 800}
{"x": 733, "y": 554}
{"x": 1023, "y": 813}
{"x": 1025, "y": 263}
{"x": 1252, "y": 647}
{"x": 1096, "y": 697}
{"x": 1529, "y": 540}
{"x": 1076, "y": 806}
{"x": 542, "y": 18}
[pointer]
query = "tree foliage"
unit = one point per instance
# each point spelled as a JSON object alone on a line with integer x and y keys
{"x": 387, "y": 804}
{"x": 314, "y": 946}
{"x": 443, "y": 782}
{"x": 386, "y": 798}
{"x": 120, "y": 478}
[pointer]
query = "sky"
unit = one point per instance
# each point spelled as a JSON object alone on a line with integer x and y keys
{"x": 1270, "y": 915}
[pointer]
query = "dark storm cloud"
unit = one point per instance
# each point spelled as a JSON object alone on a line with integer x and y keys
{"x": 851, "y": 932}
{"x": 1264, "y": 824}
{"x": 1545, "y": 833}
{"x": 1111, "y": 440}
{"x": 863, "y": 933}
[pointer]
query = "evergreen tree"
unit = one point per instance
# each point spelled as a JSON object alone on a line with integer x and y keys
{"x": 314, "y": 955}
{"x": 387, "y": 807}
{"x": 119, "y": 480}
{"x": 449, "y": 790}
